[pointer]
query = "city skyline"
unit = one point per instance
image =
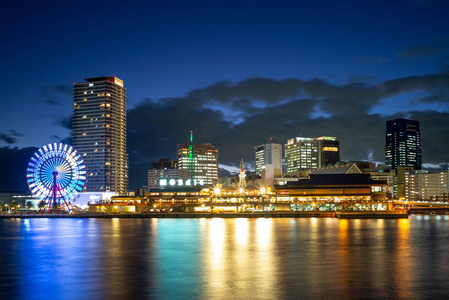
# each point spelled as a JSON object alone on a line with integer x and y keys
{"x": 234, "y": 73}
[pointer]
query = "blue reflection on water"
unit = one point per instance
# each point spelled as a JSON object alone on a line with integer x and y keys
{"x": 223, "y": 258}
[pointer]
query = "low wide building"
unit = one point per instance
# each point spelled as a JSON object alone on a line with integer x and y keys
{"x": 333, "y": 192}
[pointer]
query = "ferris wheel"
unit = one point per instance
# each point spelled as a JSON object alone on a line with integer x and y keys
{"x": 55, "y": 174}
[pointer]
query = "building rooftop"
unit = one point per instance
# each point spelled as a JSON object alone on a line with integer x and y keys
{"x": 344, "y": 169}
{"x": 333, "y": 179}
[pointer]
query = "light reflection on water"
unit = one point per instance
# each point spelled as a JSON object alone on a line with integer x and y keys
{"x": 224, "y": 258}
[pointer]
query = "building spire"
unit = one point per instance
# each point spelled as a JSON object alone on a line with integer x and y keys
{"x": 242, "y": 175}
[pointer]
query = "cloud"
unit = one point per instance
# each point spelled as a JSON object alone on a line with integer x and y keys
{"x": 54, "y": 93}
{"x": 418, "y": 51}
{"x": 53, "y": 101}
{"x": 14, "y": 168}
{"x": 236, "y": 117}
{"x": 9, "y": 137}
{"x": 64, "y": 121}
{"x": 370, "y": 60}
{"x": 58, "y": 89}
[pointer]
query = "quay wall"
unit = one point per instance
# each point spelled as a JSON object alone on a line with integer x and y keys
{"x": 177, "y": 215}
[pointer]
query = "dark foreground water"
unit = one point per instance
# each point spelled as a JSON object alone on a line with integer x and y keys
{"x": 224, "y": 258}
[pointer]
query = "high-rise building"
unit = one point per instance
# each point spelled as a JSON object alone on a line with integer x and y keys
{"x": 165, "y": 163}
{"x": 403, "y": 144}
{"x": 268, "y": 154}
{"x": 329, "y": 150}
{"x": 200, "y": 160}
{"x": 303, "y": 153}
{"x": 99, "y": 132}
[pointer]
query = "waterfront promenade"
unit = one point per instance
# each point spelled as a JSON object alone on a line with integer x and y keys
{"x": 302, "y": 214}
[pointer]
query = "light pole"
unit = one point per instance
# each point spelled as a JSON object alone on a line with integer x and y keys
{"x": 262, "y": 193}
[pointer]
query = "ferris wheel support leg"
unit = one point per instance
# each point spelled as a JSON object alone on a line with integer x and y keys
{"x": 62, "y": 196}
{"x": 49, "y": 199}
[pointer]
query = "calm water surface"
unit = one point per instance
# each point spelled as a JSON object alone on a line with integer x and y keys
{"x": 224, "y": 258}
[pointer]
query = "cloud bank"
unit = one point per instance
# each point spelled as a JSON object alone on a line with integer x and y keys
{"x": 236, "y": 117}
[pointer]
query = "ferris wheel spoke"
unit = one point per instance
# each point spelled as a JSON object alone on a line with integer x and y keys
{"x": 63, "y": 159}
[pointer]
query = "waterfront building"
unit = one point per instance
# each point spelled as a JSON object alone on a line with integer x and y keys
{"x": 99, "y": 133}
{"x": 386, "y": 176}
{"x": 324, "y": 192}
{"x": 423, "y": 186}
{"x": 333, "y": 192}
{"x": 303, "y": 153}
{"x": 403, "y": 144}
{"x": 201, "y": 161}
{"x": 268, "y": 154}
{"x": 162, "y": 178}
{"x": 349, "y": 168}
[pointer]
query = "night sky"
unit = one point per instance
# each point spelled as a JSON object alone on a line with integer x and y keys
{"x": 235, "y": 72}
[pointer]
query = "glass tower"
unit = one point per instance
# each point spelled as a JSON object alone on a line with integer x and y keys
{"x": 403, "y": 144}
{"x": 99, "y": 132}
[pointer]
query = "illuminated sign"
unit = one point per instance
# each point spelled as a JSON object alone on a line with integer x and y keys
{"x": 330, "y": 149}
{"x": 179, "y": 182}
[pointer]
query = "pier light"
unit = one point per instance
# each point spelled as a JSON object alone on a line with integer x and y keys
{"x": 263, "y": 190}
{"x": 241, "y": 190}
{"x": 217, "y": 191}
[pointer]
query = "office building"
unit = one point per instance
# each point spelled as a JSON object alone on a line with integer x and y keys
{"x": 403, "y": 144}
{"x": 165, "y": 163}
{"x": 303, "y": 153}
{"x": 99, "y": 132}
{"x": 268, "y": 154}
{"x": 200, "y": 160}
{"x": 329, "y": 150}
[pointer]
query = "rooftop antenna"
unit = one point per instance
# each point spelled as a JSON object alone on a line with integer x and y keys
{"x": 192, "y": 159}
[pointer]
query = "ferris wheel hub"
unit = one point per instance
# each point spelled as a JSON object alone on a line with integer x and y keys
{"x": 56, "y": 173}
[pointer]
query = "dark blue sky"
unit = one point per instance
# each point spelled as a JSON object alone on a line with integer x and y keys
{"x": 235, "y": 72}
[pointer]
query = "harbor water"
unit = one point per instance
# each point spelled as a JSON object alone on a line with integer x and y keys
{"x": 254, "y": 258}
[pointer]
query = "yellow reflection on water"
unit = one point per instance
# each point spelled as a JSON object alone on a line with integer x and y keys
{"x": 263, "y": 227}
{"x": 241, "y": 231}
{"x": 216, "y": 238}
{"x": 240, "y": 259}
{"x": 403, "y": 262}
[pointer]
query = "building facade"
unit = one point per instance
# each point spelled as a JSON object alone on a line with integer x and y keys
{"x": 165, "y": 163}
{"x": 403, "y": 144}
{"x": 329, "y": 150}
{"x": 268, "y": 154}
{"x": 99, "y": 132}
{"x": 303, "y": 153}
{"x": 162, "y": 178}
{"x": 200, "y": 160}
{"x": 423, "y": 186}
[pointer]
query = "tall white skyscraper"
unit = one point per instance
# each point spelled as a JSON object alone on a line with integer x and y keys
{"x": 99, "y": 132}
{"x": 268, "y": 154}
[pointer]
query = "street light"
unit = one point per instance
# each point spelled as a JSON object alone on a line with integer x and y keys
{"x": 262, "y": 193}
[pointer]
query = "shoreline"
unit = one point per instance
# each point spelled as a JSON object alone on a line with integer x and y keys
{"x": 311, "y": 214}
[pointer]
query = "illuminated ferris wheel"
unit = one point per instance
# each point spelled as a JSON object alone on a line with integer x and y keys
{"x": 55, "y": 174}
